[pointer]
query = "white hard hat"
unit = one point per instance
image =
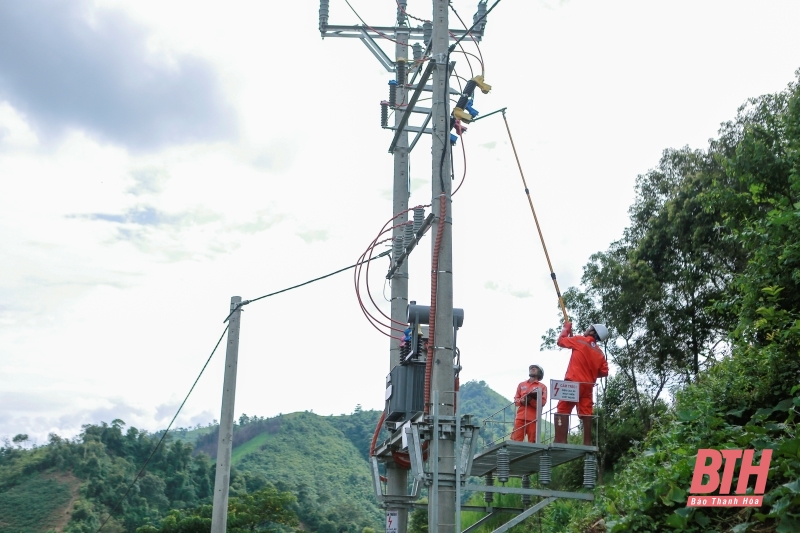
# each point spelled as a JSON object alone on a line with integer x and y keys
{"x": 601, "y": 330}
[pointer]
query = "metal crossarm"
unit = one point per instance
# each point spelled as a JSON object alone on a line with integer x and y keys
{"x": 404, "y": 119}
{"x": 377, "y": 51}
{"x": 417, "y": 34}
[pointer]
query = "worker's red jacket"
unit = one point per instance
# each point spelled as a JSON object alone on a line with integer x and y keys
{"x": 527, "y": 410}
{"x": 587, "y": 362}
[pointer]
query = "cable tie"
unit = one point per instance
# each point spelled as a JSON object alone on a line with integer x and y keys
{"x": 442, "y": 348}
{"x": 441, "y": 272}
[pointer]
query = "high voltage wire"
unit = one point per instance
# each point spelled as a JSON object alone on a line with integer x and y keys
{"x": 245, "y": 302}
{"x": 119, "y": 502}
{"x": 113, "y": 510}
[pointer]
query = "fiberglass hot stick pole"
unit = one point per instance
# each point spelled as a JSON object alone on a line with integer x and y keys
{"x": 536, "y": 219}
{"x": 441, "y": 515}
{"x": 397, "y": 478}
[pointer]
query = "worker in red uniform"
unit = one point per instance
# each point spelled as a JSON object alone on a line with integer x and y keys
{"x": 528, "y": 393}
{"x": 586, "y": 364}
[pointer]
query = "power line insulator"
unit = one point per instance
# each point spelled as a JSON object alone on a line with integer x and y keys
{"x": 427, "y": 32}
{"x": 545, "y": 466}
{"x": 408, "y": 234}
{"x": 401, "y": 71}
{"x": 323, "y": 14}
{"x": 419, "y": 217}
{"x": 384, "y": 114}
{"x": 526, "y": 484}
{"x": 393, "y": 93}
{"x": 417, "y": 50}
{"x": 589, "y": 470}
{"x": 503, "y": 467}
{"x": 488, "y": 497}
{"x": 480, "y": 15}
{"x": 398, "y": 247}
{"x": 402, "y": 19}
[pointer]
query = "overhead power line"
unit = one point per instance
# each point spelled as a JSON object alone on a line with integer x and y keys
{"x": 245, "y": 302}
{"x": 164, "y": 436}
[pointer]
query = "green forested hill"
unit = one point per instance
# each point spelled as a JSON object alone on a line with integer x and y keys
{"x": 321, "y": 460}
{"x": 71, "y": 485}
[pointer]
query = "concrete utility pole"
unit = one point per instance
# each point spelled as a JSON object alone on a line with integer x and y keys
{"x": 442, "y": 520}
{"x": 435, "y": 36}
{"x": 219, "y": 513}
{"x": 397, "y": 478}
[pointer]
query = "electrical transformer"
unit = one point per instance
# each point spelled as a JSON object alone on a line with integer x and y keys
{"x": 405, "y": 385}
{"x": 405, "y": 391}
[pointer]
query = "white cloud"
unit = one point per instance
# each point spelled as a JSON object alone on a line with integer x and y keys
{"x": 118, "y": 263}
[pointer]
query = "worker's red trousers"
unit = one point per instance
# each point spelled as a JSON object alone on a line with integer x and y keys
{"x": 584, "y": 402}
{"x": 522, "y": 428}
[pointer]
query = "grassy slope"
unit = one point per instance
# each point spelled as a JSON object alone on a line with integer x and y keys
{"x": 36, "y": 504}
{"x": 190, "y": 436}
{"x": 251, "y": 446}
{"x": 309, "y": 453}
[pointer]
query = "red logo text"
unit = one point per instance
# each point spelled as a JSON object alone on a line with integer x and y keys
{"x": 707, "y": 479}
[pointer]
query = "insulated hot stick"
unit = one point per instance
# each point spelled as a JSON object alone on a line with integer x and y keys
{"x": 536, "y": 219}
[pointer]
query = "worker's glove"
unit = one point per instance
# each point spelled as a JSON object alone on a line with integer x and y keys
{"x": 532, "y": 397}
{"x": 567, "y": 331}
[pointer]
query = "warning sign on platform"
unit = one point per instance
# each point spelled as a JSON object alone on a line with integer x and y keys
{"x": 569, "y": 391}
{"x": 391, "y": 522}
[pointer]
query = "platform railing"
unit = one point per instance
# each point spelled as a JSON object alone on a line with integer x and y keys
{"x": 499, "y": 426}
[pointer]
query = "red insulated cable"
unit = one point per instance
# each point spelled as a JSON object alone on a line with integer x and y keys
{"x": 471, "y": 73}
{"x": 370, "y": 27}
{"x": 357, "y": 272}
{"x": 377, "y": 432}
{"x": 406, "y": 13}
{"x": 432, "y": 315}
{"x": 357, "y": 277}
{"x": 374, "y": 322}
{"x": 369, "y": 292}
{"x": 455, "y": 396}
{"x": 375, "y": 440}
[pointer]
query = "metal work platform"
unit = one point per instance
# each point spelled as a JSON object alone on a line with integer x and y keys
{"x": 499, "y": 460}
{"x": 523, "y": 457}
